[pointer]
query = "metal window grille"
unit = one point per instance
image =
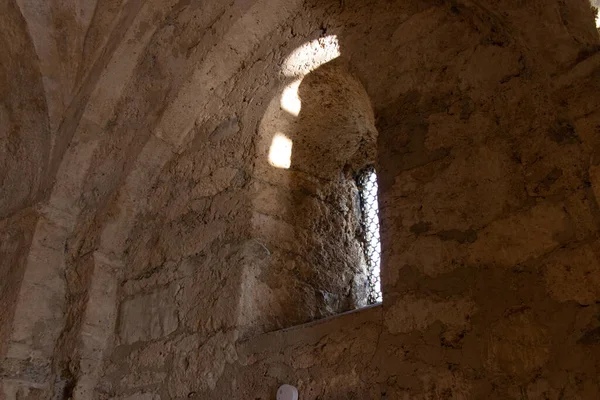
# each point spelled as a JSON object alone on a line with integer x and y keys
{"x": 367, "y": 187}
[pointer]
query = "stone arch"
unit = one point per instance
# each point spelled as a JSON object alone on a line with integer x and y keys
{"x": 24, "y": 141}
{"x": 168, "y": 140}
{"x": 35, "y": 329}
{"x": 25, "y": 136}
{"x": 58, "y": 59}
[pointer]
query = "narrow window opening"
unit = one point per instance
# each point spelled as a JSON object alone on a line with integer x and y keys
{"x": 367, "y": 188}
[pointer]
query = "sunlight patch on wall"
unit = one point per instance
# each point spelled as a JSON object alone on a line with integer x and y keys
{"x": 301, "y": 62}
{"x": 298, "y": 64}
{"x": 290, "y": 101}
{"x": 311, "y": 56}
{"x": 280, "y": 153}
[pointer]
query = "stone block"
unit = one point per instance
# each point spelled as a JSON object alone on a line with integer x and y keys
{"x": 489, "y": 66}
{"x": 466, "y": 192}
{"x": 521, "y": 236}
{"x": 430, "y": 254}
{"x": 215, "y": 183}
{"x": 517, "y": 344}
{"x": 149, "y": 316}
{"x": 573, "y": 274}
{"x": 410, "y": 313}
{"x": 201, "y": 363}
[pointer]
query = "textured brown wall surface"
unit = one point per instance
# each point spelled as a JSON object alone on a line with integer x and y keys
{"x": 149, "y": 251}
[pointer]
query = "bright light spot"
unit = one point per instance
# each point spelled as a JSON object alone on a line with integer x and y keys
{"x": 290, "y": 101}
{"x": 280, "y": 154}
{"x": 302, "y": 61}
{"x": 311, "y": 56}
{"x": 598, "y": 21}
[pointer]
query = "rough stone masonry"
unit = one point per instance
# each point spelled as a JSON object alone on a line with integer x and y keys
{"x": 150, "y": 249}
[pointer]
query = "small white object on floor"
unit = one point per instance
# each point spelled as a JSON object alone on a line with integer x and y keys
{"x": 287, "y": 392}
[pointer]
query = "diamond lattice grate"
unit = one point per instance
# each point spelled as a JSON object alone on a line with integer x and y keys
{"x": 367, "y": 186}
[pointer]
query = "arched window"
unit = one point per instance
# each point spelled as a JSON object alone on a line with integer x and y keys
{"x": 307, "y": 214}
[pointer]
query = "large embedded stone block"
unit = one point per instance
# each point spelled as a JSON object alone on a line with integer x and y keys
{"x": 202, "y": 363}
{"x": 468, "y": 191}
{"x": 25, "y": 379}
{"x": 149, "y": 316}
{"x": 521, "y": 236}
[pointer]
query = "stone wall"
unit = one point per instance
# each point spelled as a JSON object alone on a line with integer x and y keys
{"x": 162, "y": 247}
